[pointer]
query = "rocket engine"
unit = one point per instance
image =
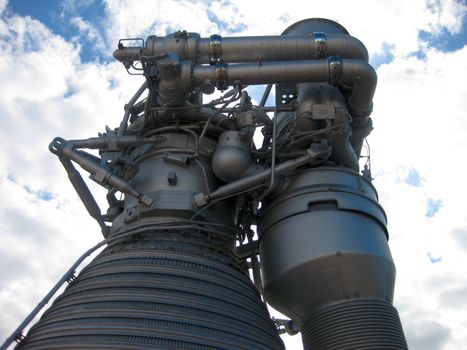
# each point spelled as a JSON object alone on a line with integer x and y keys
{"x": 183, "y": 265}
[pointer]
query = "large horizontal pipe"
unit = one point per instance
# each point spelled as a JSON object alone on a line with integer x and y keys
{"x": 248, "y": 49}
{"x": 264, "y": 73}
{"x": 355, "y": 73}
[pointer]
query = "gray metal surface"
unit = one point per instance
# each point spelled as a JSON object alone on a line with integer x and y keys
{"x": 323, "y": 243}
{"x": 189, "y": 46}
{"x": 356, "y": 73}
{"x": 163, "y": 291}
{"x": 186, "y": 186}
{"x": 356, "y": 324}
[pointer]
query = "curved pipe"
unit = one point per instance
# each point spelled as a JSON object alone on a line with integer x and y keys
{"x": 248, "y": 49}
{"x": 342, "y": 150}
{"x": 126, "y": 116}
{"x": 364, "y": 80}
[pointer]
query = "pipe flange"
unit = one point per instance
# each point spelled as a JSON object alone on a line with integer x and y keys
{"x": 335, "y": 70}
{"x": 215, "y": 49}
{"x": 221, "y": 76}
{"x": 321, "y": 49}
{"x": 192, "y": 46}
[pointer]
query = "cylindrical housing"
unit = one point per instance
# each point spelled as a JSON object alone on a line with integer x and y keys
{"x": 323, "y": 242}
{"x": 169, "y": 176}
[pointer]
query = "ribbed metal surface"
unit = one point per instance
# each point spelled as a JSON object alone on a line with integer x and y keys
{"x": 172, "y": 291}
{"x": 359, "y": 324}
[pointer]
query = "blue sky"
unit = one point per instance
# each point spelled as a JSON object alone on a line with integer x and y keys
{"x": 58, "y": 78}
{"x": 57, "y": 15}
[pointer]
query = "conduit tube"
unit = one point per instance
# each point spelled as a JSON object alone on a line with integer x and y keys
{"x": 262, "y": 48}
{"x": 358, "y": 74}
{"x": 248, "y": 49}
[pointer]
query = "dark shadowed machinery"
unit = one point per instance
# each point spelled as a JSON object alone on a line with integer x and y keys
{"x": 204, "y": 227}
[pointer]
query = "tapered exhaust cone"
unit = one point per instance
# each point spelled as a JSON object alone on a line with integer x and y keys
{"x": 172, "y": 290}
{"x": 326, "y": 261}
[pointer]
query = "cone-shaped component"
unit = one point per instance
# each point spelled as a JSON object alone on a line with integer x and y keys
{"x": 364, "y": 324}
{"x": 326, "y": 262}
{"x": 175, "y": 290}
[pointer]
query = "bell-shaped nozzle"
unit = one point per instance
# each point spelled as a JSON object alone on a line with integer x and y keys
{"x": 326, "y": 261}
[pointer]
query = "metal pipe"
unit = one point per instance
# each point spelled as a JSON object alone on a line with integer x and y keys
{"x": 84, "y": 194}
{"x": 114, "y": 142}
{"x": 248, "y": 49}
{"x": 358, "y": 74}
{"x": 266, "y": 93}
{"x": 280, "y": 47}
{"x": 99, "y": 174}
{"x": 273, "y": 158}
{"x": 186, "y": 113}
{"x": 126, "y": 115}
{"x": 364, "y": 80}
{"x": 260, "y": 73}
{"x": 342, "y": 150}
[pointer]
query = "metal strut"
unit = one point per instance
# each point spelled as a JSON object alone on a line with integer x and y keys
{"x": 65, "y": 150}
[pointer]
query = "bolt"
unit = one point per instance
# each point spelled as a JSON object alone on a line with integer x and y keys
{"x": 172, "y": 178}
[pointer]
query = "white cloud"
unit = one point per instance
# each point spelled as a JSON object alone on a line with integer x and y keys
{"x": 419, "y": 112}
{"x": 396, "y": 23}
{"x": 449, "y": 15}
{"x": 88, "y": 31}
{"x": 39, "y": 240}
{"x": 129, "y": 19}
{"x": 3, "y": 4}
{"x": 419, "y": 124}
{"x": 46, "y": 92}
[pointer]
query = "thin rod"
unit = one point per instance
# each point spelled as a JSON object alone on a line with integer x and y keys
{"x": 126, "y": 115}
{"x": 17, "y": 333}
{"x": 273, "y": 158}
{"x": 266, "y": 93}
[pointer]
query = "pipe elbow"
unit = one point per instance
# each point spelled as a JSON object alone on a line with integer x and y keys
{"x": 356, "y": 49}
{"x": 364, "y": 79}
{"x": 347, "y": 46}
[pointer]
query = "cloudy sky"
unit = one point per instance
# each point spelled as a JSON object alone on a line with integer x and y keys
{"x": 58, "y": 78}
